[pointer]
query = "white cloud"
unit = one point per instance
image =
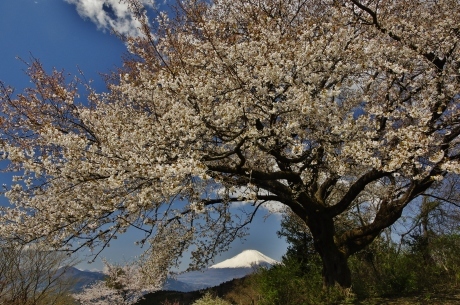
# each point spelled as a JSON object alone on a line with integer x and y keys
{"x": 110, "y": 14}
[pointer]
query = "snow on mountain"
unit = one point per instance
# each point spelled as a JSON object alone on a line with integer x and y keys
{"x": 246, "y": 259}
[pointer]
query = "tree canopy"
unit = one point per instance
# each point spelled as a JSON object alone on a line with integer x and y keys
{"x": 327, "y": 107}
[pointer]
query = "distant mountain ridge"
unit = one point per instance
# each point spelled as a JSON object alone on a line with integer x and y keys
{"x": 234, "y": 268}
{"x": 82, "y": 278}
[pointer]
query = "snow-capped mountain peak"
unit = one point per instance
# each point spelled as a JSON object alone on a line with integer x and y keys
{"x": 246, "y": 259}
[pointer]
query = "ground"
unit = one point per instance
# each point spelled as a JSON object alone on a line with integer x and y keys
{"x": 424, "y": 299}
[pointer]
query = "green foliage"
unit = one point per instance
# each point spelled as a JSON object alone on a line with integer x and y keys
{"x": 300, "y": 241}
{"x": 426, "y": 263}
{"x": 445, "y": 252}
{"x": 387, "y": 270}
{"x": 209, "y": 299}
{"x": 244, "y": 291}
{"x": 299, "y": 279}
{"x": 382, "y": 273}
{"x": 383, "y": 269}
{"x": 289, "y": 284}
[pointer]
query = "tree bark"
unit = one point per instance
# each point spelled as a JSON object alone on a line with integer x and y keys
{"x": 335, "y": 266}
{"x": 335, "y": 269}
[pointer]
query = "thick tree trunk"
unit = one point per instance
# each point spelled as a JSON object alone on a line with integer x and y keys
{"x": 335, "y": 266}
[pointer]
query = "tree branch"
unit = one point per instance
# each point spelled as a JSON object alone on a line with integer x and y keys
{"x": 443, "y": 199}
{"x": 354, "y": 191}
{"x": 438, "y": 62}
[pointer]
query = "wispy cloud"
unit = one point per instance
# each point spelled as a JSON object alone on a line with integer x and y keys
{"x": 110, "y": 14}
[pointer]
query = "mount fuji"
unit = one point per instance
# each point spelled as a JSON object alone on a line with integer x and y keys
{"x": 236, "y": 267}
{"x": 246, "y": 259}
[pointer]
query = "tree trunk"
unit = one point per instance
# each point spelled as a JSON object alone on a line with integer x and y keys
{"x": 335, "y": 266}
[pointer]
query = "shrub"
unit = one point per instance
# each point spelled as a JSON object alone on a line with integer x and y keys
{"x": 209, "y": 299}
{"x": 287, "y": 283}
{"x": 386, "y": 270}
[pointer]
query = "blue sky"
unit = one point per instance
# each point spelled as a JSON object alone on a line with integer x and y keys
{"x": 72, "y": 35}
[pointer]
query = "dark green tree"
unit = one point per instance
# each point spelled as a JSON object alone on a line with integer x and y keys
{"x": 301, "y": 246}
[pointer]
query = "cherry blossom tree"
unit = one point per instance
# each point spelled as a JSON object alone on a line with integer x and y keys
{"x": 123, "y": 286}
{"x": 325, "y": 106}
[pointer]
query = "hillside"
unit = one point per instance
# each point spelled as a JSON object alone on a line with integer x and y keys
{"x": 238, "y": 291}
